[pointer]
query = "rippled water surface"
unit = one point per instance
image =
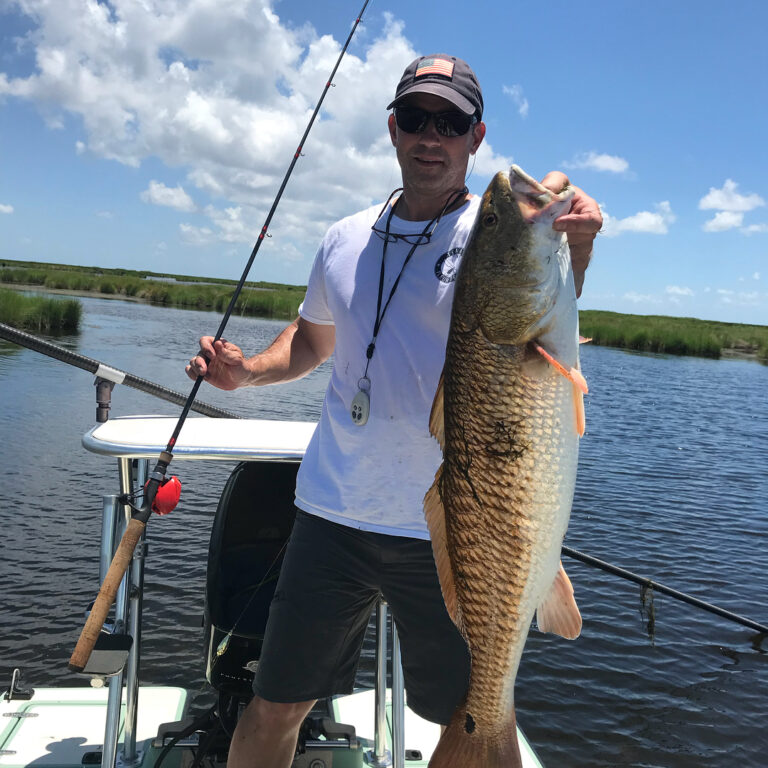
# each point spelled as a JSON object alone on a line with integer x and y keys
{"x": 672, "y": 485}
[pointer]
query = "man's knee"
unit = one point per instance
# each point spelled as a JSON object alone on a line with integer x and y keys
{"x": 274, "y": 716}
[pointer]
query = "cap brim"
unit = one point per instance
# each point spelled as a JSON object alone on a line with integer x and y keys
{"x": 438, "y": 89}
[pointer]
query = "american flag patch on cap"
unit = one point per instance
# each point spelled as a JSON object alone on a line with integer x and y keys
{"x": 435, "y": 66}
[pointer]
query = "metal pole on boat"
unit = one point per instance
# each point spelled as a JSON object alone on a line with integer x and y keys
{"x": 109, "y": 514}
{"x": 379, "y": 756}
{"x": 130, "y": 755}
{"x": 110, "y": 528}
{"x": 115, "y": 696}
{"x": 398, "y": 703}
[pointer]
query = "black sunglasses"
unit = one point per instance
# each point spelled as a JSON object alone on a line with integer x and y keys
{"x": 415, "y": 120}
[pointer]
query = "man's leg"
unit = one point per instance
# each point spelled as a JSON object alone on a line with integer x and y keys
{"x": 266, "y": 734}
{"x": 434, "y": 654}
{"x": 317, "y": 622}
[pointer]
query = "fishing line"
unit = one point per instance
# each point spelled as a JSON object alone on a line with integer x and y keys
{"x": 221, "y": 648}
{"x": 140, "y": 515}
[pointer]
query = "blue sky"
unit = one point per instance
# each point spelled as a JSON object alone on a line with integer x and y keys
{"x": 155, "y": 135}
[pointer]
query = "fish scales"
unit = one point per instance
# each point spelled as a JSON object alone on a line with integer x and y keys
{"x": 500, "y": 504}
{"x": 507, "y": 421}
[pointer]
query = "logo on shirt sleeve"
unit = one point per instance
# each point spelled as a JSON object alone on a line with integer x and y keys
{"x": 447, "y": 265}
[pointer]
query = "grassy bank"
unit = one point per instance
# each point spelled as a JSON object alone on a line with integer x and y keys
{"x": 674, "y": 335}
{"x": 648, "y": 333}
{"x": 35, "y": 313}
{"x": 256, "y": 299}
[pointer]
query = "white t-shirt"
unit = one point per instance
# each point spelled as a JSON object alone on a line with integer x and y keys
{"x": 374, "y": 477}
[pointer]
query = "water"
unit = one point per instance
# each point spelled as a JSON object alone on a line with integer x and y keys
{"x": 672, "y": 485}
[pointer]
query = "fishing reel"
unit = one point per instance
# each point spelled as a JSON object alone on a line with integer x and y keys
{"x": 160, "y": 495}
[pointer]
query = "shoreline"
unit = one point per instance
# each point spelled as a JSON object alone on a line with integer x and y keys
{"x": 639, "y": 333}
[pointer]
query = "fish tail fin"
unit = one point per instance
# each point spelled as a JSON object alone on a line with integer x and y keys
{"x": 463, "y": 746}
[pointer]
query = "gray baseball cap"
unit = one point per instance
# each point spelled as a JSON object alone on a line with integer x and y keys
{"x": 442, "y": 75}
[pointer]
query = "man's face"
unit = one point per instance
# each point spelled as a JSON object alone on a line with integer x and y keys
{"x": 431, "y": 164}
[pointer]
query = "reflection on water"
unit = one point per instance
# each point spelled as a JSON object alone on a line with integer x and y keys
{"x": 672, "y": 485}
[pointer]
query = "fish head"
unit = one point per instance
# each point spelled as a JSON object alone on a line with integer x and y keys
{"x": 517, "y": 267}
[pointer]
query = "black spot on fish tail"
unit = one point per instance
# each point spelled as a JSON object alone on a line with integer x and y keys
{"x": 469, "y": 724}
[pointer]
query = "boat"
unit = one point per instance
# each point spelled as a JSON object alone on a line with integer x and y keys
{"x": 113, "y": 720}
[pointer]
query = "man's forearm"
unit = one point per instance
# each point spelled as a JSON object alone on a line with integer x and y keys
{"x": 293, "y": 354}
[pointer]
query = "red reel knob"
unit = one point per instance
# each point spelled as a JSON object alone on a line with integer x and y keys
{"x": 167, "y": 496}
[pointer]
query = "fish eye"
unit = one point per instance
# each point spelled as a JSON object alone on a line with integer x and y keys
{"x": 490, "y": 219}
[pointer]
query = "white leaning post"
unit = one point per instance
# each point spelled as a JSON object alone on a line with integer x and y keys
{"x": 398, "y": 704}
{"x": 379, "y": 756}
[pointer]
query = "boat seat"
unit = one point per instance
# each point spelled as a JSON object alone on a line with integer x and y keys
{"x": 253, "y": 520}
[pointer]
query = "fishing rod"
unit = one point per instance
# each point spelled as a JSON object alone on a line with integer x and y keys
{"x": 107, "y": 372}
{"x": 140, "y": 514}
{"x": 664, "y": 590}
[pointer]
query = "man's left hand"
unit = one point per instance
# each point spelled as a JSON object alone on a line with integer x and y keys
{"x": 580, "y": 225}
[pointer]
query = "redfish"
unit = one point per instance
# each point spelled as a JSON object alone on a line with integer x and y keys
{"x": 508, "y": 413}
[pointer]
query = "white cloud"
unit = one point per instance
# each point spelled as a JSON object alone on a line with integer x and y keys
{"x": 677, "y": 290}
{"x": 515, "y": 92}
{"x": 105, "y": 214}
{"x": 6, "y": 208}
{"x": 728, "y": 199}
{"x": 742, "y": 298}
{"x": 724, "y": 220}
{"x": 171, "y": 197}
{"x": 183, "y": 82}
{"x": 640, "y": 298}
{"x": 599, "y": 162}
{"x": 654, "y": 223}
{"x": 756, "y": 276}
{"x": 196, "y": 235}
{"x": 755, "y": 228}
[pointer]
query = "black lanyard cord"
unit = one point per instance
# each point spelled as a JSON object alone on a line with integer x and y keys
{"x": 427, "y": 233}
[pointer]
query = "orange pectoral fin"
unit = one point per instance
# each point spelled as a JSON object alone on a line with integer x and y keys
{"x": 572, "y": 374}
{"x": 578, "y": 407}
{"x": 558, "y": 611}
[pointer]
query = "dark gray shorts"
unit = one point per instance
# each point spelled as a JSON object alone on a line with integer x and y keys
{"x": 330, "y": 581}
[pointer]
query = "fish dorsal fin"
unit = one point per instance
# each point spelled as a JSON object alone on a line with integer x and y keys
{"x": 572, "y": 374}
{"x": 435, "y": 515}
{"x": 558, "y": 611}
{"x": 436, "y": 415}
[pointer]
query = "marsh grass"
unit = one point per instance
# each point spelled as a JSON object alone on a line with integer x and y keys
{"x": 37, "y": 313}
{"x": 674, "y": 335}
{"x": 647, "y": 333}
{"x": 256, "y": 300}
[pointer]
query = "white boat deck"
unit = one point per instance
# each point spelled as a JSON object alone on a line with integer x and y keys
{"x": 58, "y": 726}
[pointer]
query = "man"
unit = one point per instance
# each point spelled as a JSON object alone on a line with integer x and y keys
{"x": 379, "y": 299}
